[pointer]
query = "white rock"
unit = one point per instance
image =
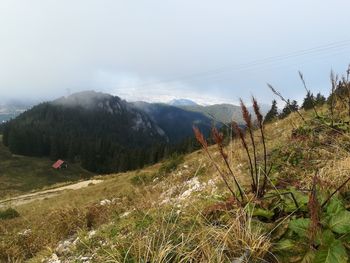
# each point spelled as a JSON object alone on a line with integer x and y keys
{"x": 91, "y": 233}
{"x": 105, "y": 202}
{"x": 85, "y": 259}
{"x": 193, "y": 186}
{"x": 26, "y": 232}
{"x": 64, "y": 247}
{"x": 54, "y": 259}
{"x": 115, "y": 200}
{"x": 125, "y": 214}
{"x": 103, "y": 243}
{"x": 211, "y": 182}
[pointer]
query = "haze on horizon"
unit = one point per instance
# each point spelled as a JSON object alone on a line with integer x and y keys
{"x": 207, "y": 51}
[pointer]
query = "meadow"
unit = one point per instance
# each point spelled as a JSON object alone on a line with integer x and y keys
{"x": 21, "y": 174}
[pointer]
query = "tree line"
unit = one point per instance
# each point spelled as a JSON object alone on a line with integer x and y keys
{"x": 309, "y": 102}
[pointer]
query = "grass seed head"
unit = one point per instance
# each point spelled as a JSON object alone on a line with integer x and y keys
{"x": 257, "y": 111}
{"x": 247, "y": 117}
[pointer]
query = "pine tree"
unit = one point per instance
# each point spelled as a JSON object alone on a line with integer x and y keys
{"x": 294, "y": 106}
{"x": 320, "y": 99}
{"x": 286, "y": 110}
{"x": 309, "y": 101}
{"x": 273, "y": 112}
{"x": 289, "y": 108}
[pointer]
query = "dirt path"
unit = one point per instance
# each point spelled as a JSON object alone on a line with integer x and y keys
{"x": 27, "y": 198}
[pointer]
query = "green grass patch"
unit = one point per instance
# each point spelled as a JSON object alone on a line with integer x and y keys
{"x": 171, "y": 164}
{"x": 9, "y": 213}
{"x": 21, "y": 174}
{"x": 142, "y": 179}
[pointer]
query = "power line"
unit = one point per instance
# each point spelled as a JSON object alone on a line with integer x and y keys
{"x": 246, "y": 66}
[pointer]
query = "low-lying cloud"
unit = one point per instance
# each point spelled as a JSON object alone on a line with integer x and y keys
{"x": 50, "y": 48}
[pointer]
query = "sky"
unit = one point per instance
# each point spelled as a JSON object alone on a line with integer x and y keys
{"x": 158, "y": 50}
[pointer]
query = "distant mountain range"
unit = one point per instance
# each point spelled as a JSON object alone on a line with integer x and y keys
{"x": 220, "y": 113}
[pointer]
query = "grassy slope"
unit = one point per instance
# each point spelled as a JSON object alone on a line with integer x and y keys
{"x": 20, "y": 174}
{"x": 142, "y": 198}
{"x": 155, "y": 213}
{"x": 221, "y": 112}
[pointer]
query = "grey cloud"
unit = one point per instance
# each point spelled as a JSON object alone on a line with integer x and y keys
{"x": 50, "y": 48}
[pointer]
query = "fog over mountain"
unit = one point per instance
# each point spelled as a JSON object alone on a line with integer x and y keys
{"x": 162, "y": 50}
{"x": 182, "y": 102}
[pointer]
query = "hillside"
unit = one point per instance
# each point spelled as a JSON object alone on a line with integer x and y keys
{"x": 182, "y": 211}
{"x": 100, "y": 131}
{"x": 21, "y": 174}
{"x": 174, "y": 121}
{"x": 222, "y": 113}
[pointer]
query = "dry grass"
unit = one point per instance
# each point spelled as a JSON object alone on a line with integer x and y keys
{"x": 54, "y": 219}
{"x": 167, "y": 242}
{"x": 334, "y": 174}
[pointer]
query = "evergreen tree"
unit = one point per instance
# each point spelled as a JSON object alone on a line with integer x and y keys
{"x": 101, "y": 142}
{"x": 320, "y": 99}
{"x": 294, "y": 106}
{"x": 289, "y": 108}
{"x": 309, "y": 101}
{"x": 286, "y": 110}
{"x": 273, "y": 112}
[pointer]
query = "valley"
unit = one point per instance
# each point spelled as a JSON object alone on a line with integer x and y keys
{"x": 21, "y": 174}
{"x": 174, "y": 131}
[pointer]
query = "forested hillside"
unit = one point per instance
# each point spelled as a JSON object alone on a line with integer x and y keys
{"x": 176, "y": 122}
{"x": 104, "y": 134}
{"x": 100, "y": 131}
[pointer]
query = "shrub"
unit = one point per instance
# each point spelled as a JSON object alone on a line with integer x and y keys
{"x": 141, "y": 179}
{"x": 171, "y": 164}
{"x": 65, "y": 222}
{"x": 9, "y": 213}
{"x": 97, "y": 215}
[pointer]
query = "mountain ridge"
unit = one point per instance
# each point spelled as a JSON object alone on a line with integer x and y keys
{"x": 182, "y": 102}
{"x": 101, "y": 131}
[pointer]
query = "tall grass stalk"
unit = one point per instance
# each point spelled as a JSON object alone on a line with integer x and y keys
{"x": 257, "y": 185}
{"x": 308, "y": 91}
{"x": 278, "y": 94}
{"x": 260, "y": 121}
{"x": 200, "y": 138}
{"x": 240, "y": 133}
{"x": 218, "y": 138}
{"x": 247, "y": 117}
{"x": 348, "y": 89}
{"x": 334, "y": 80}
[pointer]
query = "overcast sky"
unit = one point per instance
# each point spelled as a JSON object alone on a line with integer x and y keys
{"x": 157, "y": 50}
